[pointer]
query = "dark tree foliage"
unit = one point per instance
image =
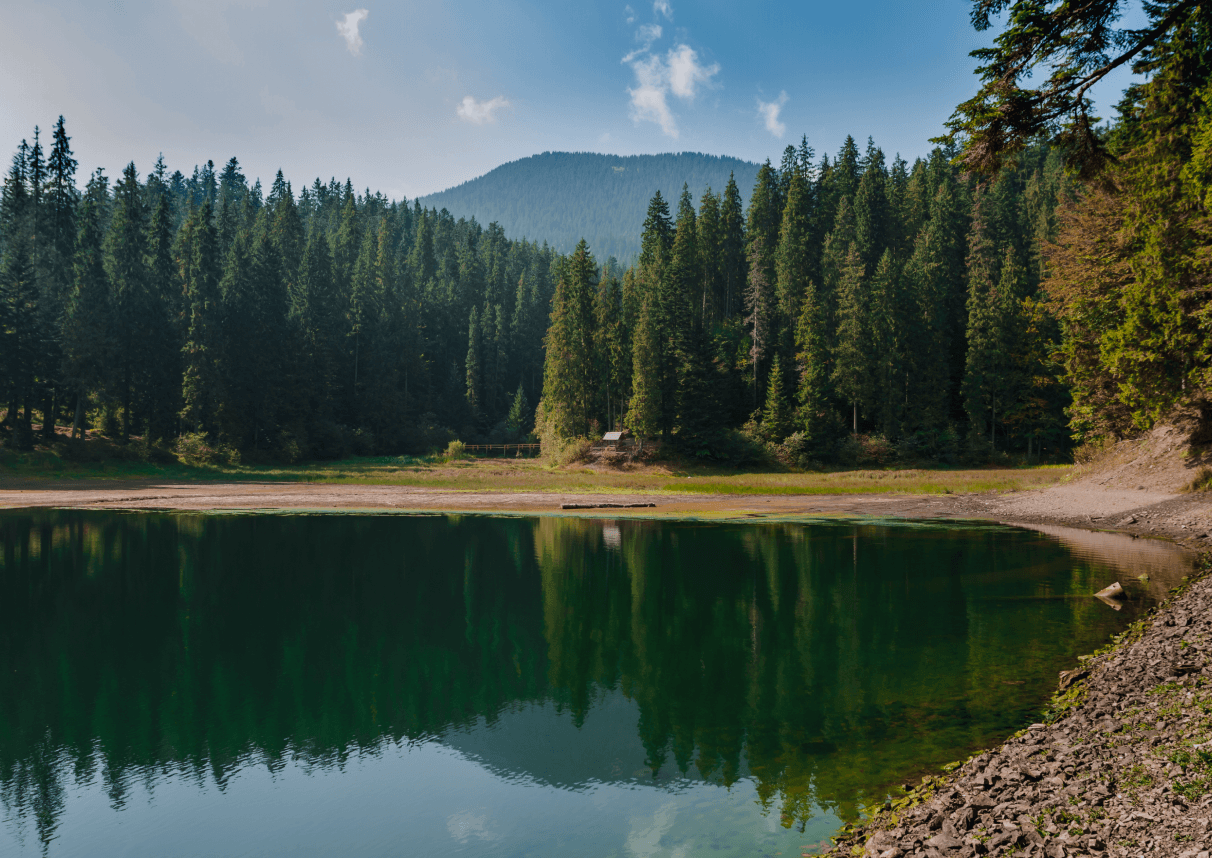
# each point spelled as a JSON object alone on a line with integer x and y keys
{"x": 847, "y": 299}
{"x": 286, "y": 325}
{"x": 1073, "y": 45}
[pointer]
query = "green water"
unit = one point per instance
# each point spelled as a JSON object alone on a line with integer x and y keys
{"x": 204, "y": 685}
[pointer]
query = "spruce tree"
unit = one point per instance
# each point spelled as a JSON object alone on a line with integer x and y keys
{"x": 852, "y": 369}
{"x": 473, "y": 365}
{"x": 777, "y": 413}
{"x": 568, "y": 383}
{"x": 518, "y": 419}
{"x": 812, "y": 337}
{"x": 733, "y": 266}
{"x": 87, "y": 327}
{"x": 644, "y": 408}
{"x": 126, "y": 253}
{"x": 198, "y": 254}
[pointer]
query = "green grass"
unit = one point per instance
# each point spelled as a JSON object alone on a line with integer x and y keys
{"x": 534, "y": 475}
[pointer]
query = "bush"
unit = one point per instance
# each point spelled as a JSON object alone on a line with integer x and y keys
{"x": 455, "y": 451}
{"x": 194, "y": 449}
{"x": 1092, "y": 450}
{"x": 1202, "y": 481}
{"x": 867, "y": 450}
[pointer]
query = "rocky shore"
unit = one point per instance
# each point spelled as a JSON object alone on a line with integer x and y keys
{"x": 1122, "y": 766}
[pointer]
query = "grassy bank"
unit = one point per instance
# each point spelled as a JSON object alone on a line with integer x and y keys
{"x": 534, "y": 475}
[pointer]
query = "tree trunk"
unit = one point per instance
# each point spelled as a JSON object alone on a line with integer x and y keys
{"x": 126, "y": 404}
{"x": 78, "y": 420}
{"x": 48, "y": 416}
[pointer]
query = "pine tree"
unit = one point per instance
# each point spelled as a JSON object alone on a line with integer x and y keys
{"x": 888, "y": 314}
{"x": 473, "y": 365}
{"x": 762, "y": 224}
{"x": 162, "y": 345}
{"x": 733, "y": 267}
{"x": 568, "y": 383}
{"x": 198, "y": 255}
{"x": 793, "y": 256}
{"x": 518, "y": 419}
{"x": 126, "y": 253}
{"x": 871, "y": 210}
{"x": 683, "y": 359}
{"x": 812, "y": 337}
{"x": 644, "y": 410}
{"x": 932, "y": 274}
{"x": 852, "y": 372}
{"x": 711, "y": 304}
{"x": 87, "y": 327}
{"x": 776, "y": 415}
{"x": 994, "y": 325}
{"x": 760, "y": 307}
{"x": 19, "y": 299}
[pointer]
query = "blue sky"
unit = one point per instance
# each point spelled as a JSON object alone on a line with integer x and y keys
{"x": 410, "y": 98}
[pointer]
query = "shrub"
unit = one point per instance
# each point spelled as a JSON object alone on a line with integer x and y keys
{"x": 455, "y": 451}
{"x": 867, "y": 450}
{"x": 1202, "y": 481}
{"x": 194, "y": 449}
{"x": 1092, "y": 450}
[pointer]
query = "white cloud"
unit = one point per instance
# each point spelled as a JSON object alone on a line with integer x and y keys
{"x": 678, "y": 71}
{"x": 685, "y": 72}
{"x": 480, "y": 112}
{"x": 630, "y": 13}
{"x": 348, "y": 28}
{"x": 662, "y": 7}
{"x": 769, "y": 111}
{"x": 648, "y": 102}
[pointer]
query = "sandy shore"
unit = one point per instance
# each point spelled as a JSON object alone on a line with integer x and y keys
{"x": 1183, "y": 518}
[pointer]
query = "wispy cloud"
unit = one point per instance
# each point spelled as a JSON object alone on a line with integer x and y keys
{"x": 662, "y": 7}
{"x": 648, "y": 103}
{"x": 769, "y": 111}
{"x": 348, "y": 28}
{"x": 678, "y": 71}
{"x": 646, "y": 35}
{"x": 686, "y": 72}
{"x": 630, "y": 13}
{"x": 480, "y": 112}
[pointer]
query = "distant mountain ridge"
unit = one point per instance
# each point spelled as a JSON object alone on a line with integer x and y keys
{"x": 561, "y": 197}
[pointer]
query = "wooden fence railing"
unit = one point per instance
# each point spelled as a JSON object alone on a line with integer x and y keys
{"x": 501, "y": 451}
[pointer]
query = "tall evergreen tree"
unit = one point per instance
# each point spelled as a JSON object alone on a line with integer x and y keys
{"x": 126, "y": 253}
{"x": 568, "y": 383}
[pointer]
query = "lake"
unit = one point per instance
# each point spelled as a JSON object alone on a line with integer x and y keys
{"x": 383, "y": 685}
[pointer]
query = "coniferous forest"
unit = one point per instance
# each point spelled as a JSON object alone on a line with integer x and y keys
{"x": 1004, "y": 295}
{"x": 273, "y": 324}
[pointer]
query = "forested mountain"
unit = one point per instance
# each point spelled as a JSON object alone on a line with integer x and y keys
{"x": 275, "y": 324}
{"x": 562, "y": 197}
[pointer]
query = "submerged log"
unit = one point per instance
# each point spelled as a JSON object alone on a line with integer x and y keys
{"x": 605, "y": 505}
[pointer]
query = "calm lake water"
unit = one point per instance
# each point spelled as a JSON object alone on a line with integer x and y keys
{"x": 392, "y": 685}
